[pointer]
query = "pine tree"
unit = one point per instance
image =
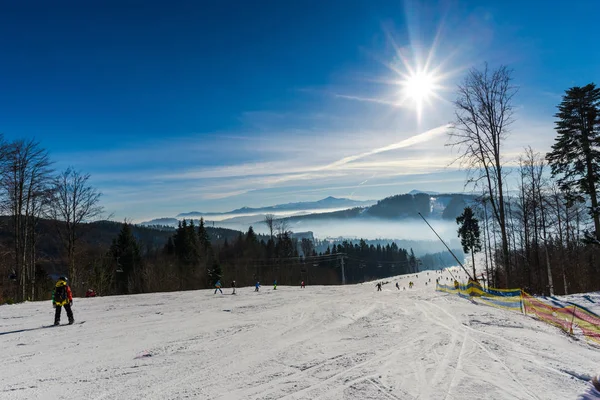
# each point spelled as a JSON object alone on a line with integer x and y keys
{"x": 125, "y": 250}
{"x": 469, "y": 234}
{"x": 412, "y": 261}
{"x": 169, "y": 247}
{"x": 215, "y": 273}
{"x": 575, "y": 157}
{"x": 203, "y": 236}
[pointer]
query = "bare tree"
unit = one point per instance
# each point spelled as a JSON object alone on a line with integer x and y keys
{"x": 26, "y": 170}
{"x": 73, "y": 201}
{"x": 484, "y": 112}
{"x": 270, "y": 222}
{"x": 533, "y": 165}
{"x": 283, "y": 227}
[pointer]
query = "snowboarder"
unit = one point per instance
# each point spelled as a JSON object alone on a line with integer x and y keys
{"x": 592, "y": 391}
{"x": 218, "y": 287}
{"x": 378, "y": 286}
{"x": 62, "y": 297}
{"x": 257, "y": 286}
{"x": 302, "y": 285}
{"x": 275, "y": 284}
{"x": 233, "y": 286}
{"x": 397, "y": 286}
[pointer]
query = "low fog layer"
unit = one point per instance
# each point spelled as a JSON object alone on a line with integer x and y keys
{"x": 371, "y": 228}
{"x": 254, "y": 216}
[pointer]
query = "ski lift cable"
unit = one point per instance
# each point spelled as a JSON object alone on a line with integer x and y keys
{"x": 309, "y": 258}
{"x": 399, "y": 262}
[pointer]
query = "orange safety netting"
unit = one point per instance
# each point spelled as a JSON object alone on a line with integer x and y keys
{"x": 567, "y": 318}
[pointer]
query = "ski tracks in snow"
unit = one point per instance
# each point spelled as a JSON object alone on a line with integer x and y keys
{"x": 324, "y": 343}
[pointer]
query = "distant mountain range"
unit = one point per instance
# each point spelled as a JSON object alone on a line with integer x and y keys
{"x": 398, "y": 207}
{"x": 324, "y": 204}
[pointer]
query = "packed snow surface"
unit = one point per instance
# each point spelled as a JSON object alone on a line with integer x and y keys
{"x": 322, "y": 342}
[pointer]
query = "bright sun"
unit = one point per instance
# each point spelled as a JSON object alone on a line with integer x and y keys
{"x": 419, "y": 87}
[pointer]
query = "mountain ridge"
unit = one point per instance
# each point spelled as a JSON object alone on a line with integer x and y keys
{"x": 328, "y": 202}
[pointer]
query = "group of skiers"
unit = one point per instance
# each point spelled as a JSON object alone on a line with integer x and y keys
{"x": 257, "y": 286}
{"x": 379, "y": 284}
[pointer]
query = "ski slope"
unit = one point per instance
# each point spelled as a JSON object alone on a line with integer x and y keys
{"x": 336, "y": 342}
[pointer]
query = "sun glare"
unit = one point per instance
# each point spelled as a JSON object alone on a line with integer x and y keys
{"x": 419, "y": 87}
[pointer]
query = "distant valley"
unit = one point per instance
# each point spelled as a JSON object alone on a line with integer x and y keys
{"x": 395, "y": 217}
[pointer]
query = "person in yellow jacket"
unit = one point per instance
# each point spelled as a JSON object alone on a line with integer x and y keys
{"x": 62, "y": 297}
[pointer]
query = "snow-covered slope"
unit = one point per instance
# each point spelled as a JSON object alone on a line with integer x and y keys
{"x": 337, "y": 342}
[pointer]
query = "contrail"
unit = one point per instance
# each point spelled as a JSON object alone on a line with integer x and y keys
{"x": 420, "y": 138}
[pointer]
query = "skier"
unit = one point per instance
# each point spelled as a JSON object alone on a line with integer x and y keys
{"x": 275, "y": 284}
{"x": 397, "y": 286}
{"x": 218, "y": 287}
{"x": 257, "y": 286}
{"x": 378, "y": 286}
{"x": 592, "y": 391}
{"x": 233, "y": 286}
{"x": 62, "y": 297}
{"x": 302, "y": 285}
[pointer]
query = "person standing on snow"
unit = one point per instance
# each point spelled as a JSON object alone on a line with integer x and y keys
{"x": 302, "y": 285}
{"x": 233, "y": 286}
{"x": 218, "y": 287}
{"x": 275, "y": 284}
{"x": 397, "y": 286}
{"x": 592, "y": 392}
{"x": 378, "y": 286}
{"x": 62, "y": 297}
{"x": 257, "y": 286}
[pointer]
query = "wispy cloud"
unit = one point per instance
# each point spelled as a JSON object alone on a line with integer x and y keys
{"x": 416, "y": 139}
{"x": 369, "y": 100}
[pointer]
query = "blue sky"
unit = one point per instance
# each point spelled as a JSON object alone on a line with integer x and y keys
{"x": 209, "y": 106}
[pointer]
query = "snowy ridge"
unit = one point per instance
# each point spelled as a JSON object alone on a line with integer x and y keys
{"x": 322, "y": 342}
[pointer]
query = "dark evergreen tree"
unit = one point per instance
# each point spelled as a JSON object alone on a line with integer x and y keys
{"x": 126, "y": 252}
{"x": 412, "y": 261}
{"x": 469, "y": 234}
{"x": 575, "y": 156}
{"x": 170, "y": 247}
{"x": 285, "y": 247}
{"x": 215, "y": 273}
{"x": 203, "y": 236}
{"x": 186, "y": 244}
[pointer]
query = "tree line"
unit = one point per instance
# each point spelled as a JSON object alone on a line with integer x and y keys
{"x": 540, "y": 219}
{"x": 31, "y": 190}
{"x": 192, "y": 260}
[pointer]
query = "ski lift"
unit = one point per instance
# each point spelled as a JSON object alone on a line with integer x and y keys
{"x": 379, "y": 265}
{"x": 315, "y": 264}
